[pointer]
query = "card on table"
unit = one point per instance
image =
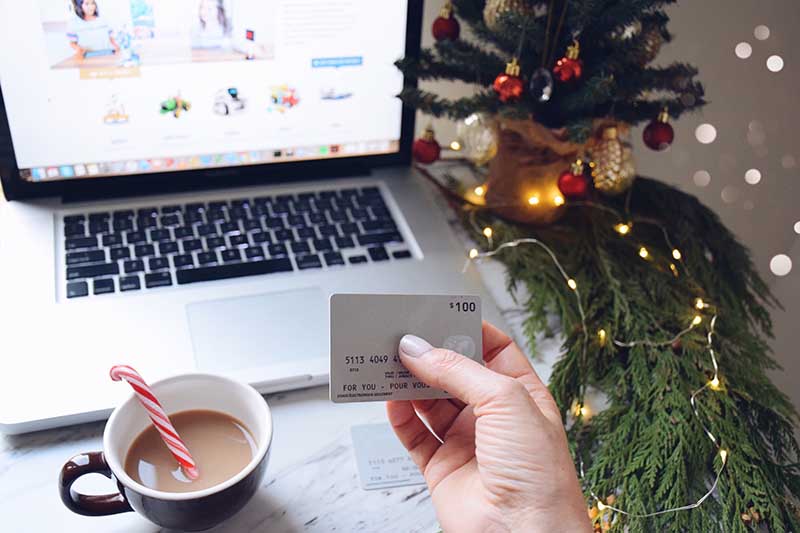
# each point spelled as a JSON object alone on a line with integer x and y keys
{"x": 365, "y": 333}
{"x": 381, "y": 460}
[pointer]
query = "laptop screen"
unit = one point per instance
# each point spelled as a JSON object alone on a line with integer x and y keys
{"x": 98, "y": 88}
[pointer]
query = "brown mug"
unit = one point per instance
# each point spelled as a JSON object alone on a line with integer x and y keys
{"x": 189, "y": 511}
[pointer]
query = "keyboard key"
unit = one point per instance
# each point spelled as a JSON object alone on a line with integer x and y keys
{"x": 401, "y": 254}
{"x": 146, "y": 222}
{"x": 322, "y": 245}
{"x": 308, "y": 261}
{"x": 379, "y": 238}
{"x": 134, "y": 265}
{"x": 283, "y": 235}
{"x": 112, "y": 239}
{"x": 277, "y": 249}
{"x": 144, "y": 250}
{"x": 147, "y": 212}
{"x": 250, "y": 224}
{"x": 301, "y": 207}
{"x": 370, "y": 191}
{"x": 229, "y": 227}
{"x": 77, "y": 243}
{"x": 217, "y": 205}
{"x": 212, "y": 243}
{"x": 181, "y": 261}
{"x": 103, "y": 286}
{"x": 74, "y": 229}
{"x": 191, "y": 217}
{"x": 122, "y": 224}
{"x": 240, "y": 203}
{"x": 359, "y": 214}
{"x": 158, "y": 279}
{"x": 345, "y": 242}
{"x": 158, "y": 235}
{"x": 190, "y": 245}
{"x": 300, "y": 247}
{"x": 207, "y": 258}
{"x": 237, "y": 240}
{"x": 92, "y": 271}
{"x": 260, "y": 237}
{"x": 98, "y": 226}
{"x": 378, "y": 225}
{"x": 135, "y": 237}
{"x": 274, "y": 223}
{"x": 168, "y": 209}
{"x": 317, "y": 218}
{"x": 355, "y": 259}
{"x": 120, "y": 252}
{"x": 378, "y": 253}
{"x": 233, "y": 270}
{"x": 77, "y": 289}
{"x": 296, "y": 220}
{"x": 129, "y": 283}
{"x": 254, "y": 252}
{"x": 72, "y": 219}
{"x": 170, "y": 220}
{"x": 158, "y": 263}
{"x": 89, "y": 256}
{"x": 381, "y": 213}
{"x": 280, "y": 208}
{"x": 349, "y": 228}
{"x": 231, "y": 255}
{"x": 216, "y": 216}
{"x": 333, "y": 258}
{"x": 97, "y": 217}
{"x": 182, "y": 232}
{"x": 169, "y": 247}
{"x": 328, "y": 230}
{"x": 337, "y": 215}
{"x": 206, "y": 229}
{"x": 306, "y": 233}
{"x": 123, "y": 213}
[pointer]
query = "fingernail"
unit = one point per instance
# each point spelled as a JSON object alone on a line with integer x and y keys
{"x": 414, "y": 346}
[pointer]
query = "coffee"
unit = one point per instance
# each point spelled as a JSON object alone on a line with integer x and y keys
{"x": 220, "y": 445}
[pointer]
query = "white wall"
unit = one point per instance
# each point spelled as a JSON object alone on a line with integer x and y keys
{"x": 740, "y": 91}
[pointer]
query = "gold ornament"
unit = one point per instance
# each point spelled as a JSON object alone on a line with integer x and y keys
{"x": 477, "y": 139}
{"x": 495, "y": 9}
{"x": 614, "y": 170}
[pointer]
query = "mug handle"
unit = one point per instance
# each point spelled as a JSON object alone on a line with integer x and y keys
{"x": 89, "y": 505}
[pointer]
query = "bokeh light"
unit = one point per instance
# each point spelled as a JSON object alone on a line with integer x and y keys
{"x": 797, "y": 227}
{"x": 761, "y": 32}
{"x": 775, "y": 63}
{"x": 788, "y": 161}
{"x": 752, "y": 176}
{"x": 743, "y": 50}
{"x": 780, "y": 265}
{"x": 705, "y": 133}
{"x": 729, "y": 194}
{"x": 702, "y": 178}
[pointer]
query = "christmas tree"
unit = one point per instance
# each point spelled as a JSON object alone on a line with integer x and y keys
{"x": 660, "y": 306}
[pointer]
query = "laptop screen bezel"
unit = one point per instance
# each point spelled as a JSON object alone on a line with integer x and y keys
{"x": 16, "y": 188}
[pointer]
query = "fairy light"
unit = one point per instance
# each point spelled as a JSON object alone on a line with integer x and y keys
{"x": 622, "y": 228}
{"x": 480, "y": 190}
{"x": 558, "y": 200}
{"x": 533, "y": 200}
{"x": 643, "y": 253}
{"x": 455, "y": 146}
{"x": 601, "y": 335}
{"x": 676, "y": 254}
{"x": 487, "y": 232}
{"x": 713, "y": 384}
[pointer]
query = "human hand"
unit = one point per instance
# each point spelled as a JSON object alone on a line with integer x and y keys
{"x": 502, "y": 463}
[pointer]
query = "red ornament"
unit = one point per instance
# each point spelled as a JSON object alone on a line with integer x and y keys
{"x": 509, "y": 86}
{"x": 446, "y": 26}
{"x": 658, "y": 135}
{"x": 573, "y": 183}
{"x": 569, "y": 67}
{"x": 425, "y": 149}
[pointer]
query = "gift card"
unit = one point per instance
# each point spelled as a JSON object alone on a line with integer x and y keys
{"x": 365, "y": 333}
{"x": 381, "y": 459}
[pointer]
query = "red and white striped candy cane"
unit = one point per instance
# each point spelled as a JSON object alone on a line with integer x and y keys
{"x": 158, "y": 416}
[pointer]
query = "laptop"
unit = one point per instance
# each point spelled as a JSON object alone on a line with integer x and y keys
{"x": 183, "y": 202}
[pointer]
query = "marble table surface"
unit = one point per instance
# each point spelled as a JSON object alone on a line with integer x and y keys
{"x": 311, "y": 482}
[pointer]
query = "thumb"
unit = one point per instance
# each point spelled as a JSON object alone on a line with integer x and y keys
{"x": 467, "y": 380}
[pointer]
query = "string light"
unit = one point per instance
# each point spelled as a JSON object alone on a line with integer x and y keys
{"x": 674, "y": 269}
{"x": 601, "y": 334}
{"x": 480, "y": 190}
{"x": 700, "y": 304}
{"x": 643, "y": 253}
{"x": 533, "y": 200}
{"x": 455, "y": 146}
{"x": 713, "y": 384}
{"x": 487, "y": 231}
{"x": 558, "y": 200}
{"x": 622, "y": 228}
{"x": 676, "y": 254}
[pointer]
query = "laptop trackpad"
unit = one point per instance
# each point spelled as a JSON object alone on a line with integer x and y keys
{"x": 259, "y": 330}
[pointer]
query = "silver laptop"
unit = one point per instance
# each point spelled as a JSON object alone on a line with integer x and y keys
{"x": 182, "y": 201}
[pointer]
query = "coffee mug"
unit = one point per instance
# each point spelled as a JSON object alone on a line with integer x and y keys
{"x": 190, "y": 511}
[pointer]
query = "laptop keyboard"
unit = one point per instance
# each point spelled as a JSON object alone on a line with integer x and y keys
{"x": 162, "y": 246}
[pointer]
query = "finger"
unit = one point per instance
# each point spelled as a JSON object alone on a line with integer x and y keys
{"x": 414, "y": 436}
{"x": 439, "y": 414}
{"x": 464, "y": 378}
{"x": 502, "y": 355}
